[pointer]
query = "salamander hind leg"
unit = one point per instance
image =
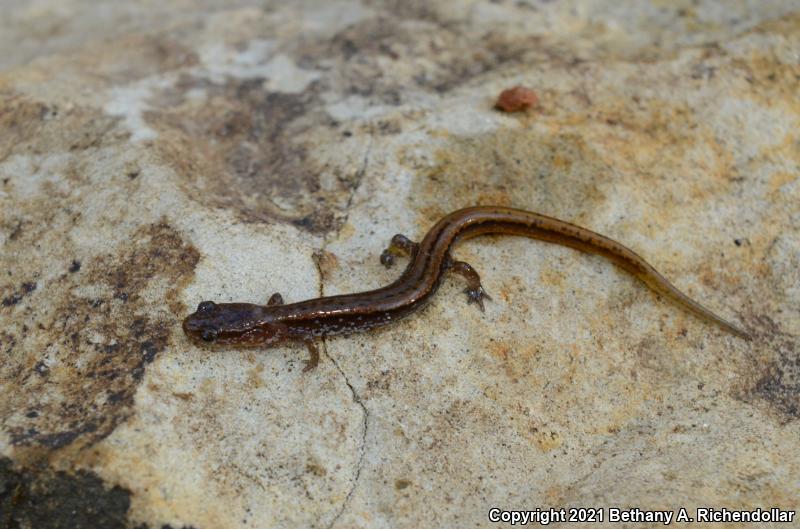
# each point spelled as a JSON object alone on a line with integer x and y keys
{"x": 475, "y": 292}
{"x": 399, "y": 246}
{"x": 313, "y": 359}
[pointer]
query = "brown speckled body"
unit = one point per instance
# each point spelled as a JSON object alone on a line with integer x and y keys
{"x": 256, "y": 325}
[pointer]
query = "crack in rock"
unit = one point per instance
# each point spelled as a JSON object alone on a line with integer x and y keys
{"x": 356, "y": 185}
{"x": 357, "y": 399}
{"x": 363, "y": 447}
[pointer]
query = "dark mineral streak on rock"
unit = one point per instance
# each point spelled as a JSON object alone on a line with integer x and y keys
{"x": 778, "y": 380}
{"x": 78, "y": 362}
{"x": 42, "y": 498}
{"x": 46, "y": 499}
{"x": 251, "y": 150}
{"x": 17, "y": 295}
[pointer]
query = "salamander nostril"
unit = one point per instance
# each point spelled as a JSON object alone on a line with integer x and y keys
{"x": 189, "y": 325}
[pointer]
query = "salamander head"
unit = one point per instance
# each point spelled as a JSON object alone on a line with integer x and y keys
{"x": 240, "y": 324}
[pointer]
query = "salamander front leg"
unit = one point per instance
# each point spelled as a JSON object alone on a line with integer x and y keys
{"x": 275, "y": 299}
{"x": 313, "y": 359}
{"x": 400, "y": 245}
{"x": 474, "y": 290}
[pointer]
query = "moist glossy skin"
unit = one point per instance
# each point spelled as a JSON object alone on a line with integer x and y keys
{"x": 242, "y": 324}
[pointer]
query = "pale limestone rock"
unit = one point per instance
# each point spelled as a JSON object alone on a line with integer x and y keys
{"x": 155, "y": 155}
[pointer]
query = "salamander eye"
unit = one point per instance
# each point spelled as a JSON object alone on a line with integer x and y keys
{"x": 209, "y": 335}
{"x": 206, "y": 306}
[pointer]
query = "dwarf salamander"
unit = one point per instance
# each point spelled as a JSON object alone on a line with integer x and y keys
{"x": 246, "y": 324}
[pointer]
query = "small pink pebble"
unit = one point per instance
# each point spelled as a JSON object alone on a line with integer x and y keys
{"x": 516, "y": 99}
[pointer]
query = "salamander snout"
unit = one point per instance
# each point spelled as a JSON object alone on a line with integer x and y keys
{"x": 200, "y": 325}
{"x": 240, "y": 324}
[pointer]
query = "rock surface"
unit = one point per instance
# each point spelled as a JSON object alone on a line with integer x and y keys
{"x": 152, "y": 157}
